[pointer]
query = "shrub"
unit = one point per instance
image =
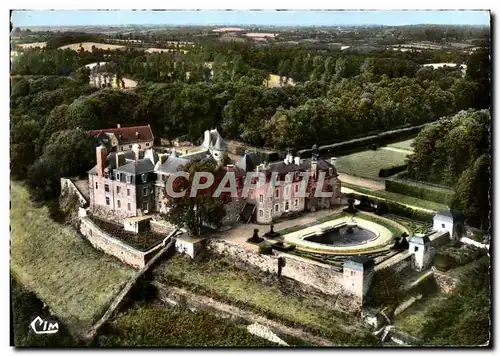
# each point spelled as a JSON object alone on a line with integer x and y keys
{"x": 390, "y": 171}
{"x": 419, "y": 190}
{"x": 265, "y": 249}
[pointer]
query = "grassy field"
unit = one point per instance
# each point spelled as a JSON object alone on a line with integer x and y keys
{"x": 220, "y": 279}
{"x": 149, "y": 326}
{"x": 413, "y": 319}
{"x": 63, "y": 269}
{"x": 398, "y": 198}
{"x": 367, "y": 164}
{"x": 87, "y": 46}
{"x": 403, "y": 145}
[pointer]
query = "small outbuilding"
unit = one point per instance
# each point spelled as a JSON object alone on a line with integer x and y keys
{"x": 418, "y": 246}
{"x": 451, "y": 221}
{"x": 137, "y": 224}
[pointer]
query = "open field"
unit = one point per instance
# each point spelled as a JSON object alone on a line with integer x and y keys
{"x": 32, "y": 45}
{"x": 367, "y": 164}
{"x": 87, "y": 46}
{"x": 154, "y": 326}
{"x": 220, "y": 279}
{"x": 64, "y": 270}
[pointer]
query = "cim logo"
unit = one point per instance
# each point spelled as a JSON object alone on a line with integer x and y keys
{"x": 47, "y": 326}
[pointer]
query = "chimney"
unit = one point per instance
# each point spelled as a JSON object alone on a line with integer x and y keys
{"x": 120, "y": 159}
{"x": 118, "y": 126}
{"x": 314, "y": 167}
{"x": 333, "y": 161}
{"x": 136, "y": 150}
{"x": 101, "y": 160}
{"x": 297, "y": 161}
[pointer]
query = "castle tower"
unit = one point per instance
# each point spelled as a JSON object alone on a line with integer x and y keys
{"x": 358, "y": 272}
{"x": 419, "y": 246}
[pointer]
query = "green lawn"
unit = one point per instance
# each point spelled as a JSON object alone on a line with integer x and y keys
{"x": 367, "y": 164}
{"x": 148, "y": 326}
{"x": 403, "y": 145}
{"x": 63, "y": 269}
{"x": 219, "y": 278}
{"x": 398, "y": 198}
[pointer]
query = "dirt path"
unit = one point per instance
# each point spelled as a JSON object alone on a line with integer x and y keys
{"x": 395, "y": 149}
{"x": 237, "y": 313}
{"x": 362, "y": 182}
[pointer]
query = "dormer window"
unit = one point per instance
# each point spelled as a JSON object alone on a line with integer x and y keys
{"x": 144, "y": 178}
{"x": 117, "y": 176}
{"x": 128, "y": 179}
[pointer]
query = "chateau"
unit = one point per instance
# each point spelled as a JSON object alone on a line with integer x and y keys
{"x": 131, "y": 182}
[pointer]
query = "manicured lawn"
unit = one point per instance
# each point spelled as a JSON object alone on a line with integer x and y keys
{"x": 398, "y": 198}
{"x": 403, "y": 145}
{"x": 219, "y": 278}
{"x": 367, "y": 164}
{"x": 63, "y": 269}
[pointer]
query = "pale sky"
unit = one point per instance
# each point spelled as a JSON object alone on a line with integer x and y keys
{"x": 240, "y": 17}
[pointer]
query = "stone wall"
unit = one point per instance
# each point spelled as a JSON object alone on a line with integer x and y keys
{"x": 321, "y": 277}
{"x": 111, "y": 246}
{"x": 66, "y": 183}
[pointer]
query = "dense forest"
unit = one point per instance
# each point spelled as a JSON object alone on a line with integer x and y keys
{"x": 335, "y": 96}
{"x": 457, "y": 152}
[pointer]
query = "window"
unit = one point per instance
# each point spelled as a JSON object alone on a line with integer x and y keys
{"x": 276, "y": 208}
{"x": 118, "y": 190}
{"x": 107, "y": 200}
{"x": 288, "y": 177}
{"x": 442, "y": 225}
{"x": 147, "y": 144}
{"x": 144, "y": 206}
{"x": 330, "y": 171}
{"x": 416, "y": 249}
{"x": 128, "y": 206}
{"x": 96, "y": 186}
{"x": 261, "y": 213}
{"x": 353, "y": 273}
{"x": 286, "y": 206}
{"x": 287, "y": 190}
{"x": 106, "y": 187}
{"x": 261, "y": 198}
{"x": 277, "y": 193}
{"x": 129, "y": 179}
{"x": 145, "y": 191}
{"x": 118, "y": 204}
{"x": 122, "y": 148}
{"x": 296, "y": 188}
{"x": 296, "y": 203}
{"x": 128, "y": 192}
{"x": 144, "y": 178}
{"x": 129, "y": 146}
{"x": 117, "y": 176}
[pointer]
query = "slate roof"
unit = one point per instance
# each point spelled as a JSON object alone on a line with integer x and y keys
{"x": 137, "y": 167}
{"x": 127, "y": 135}
{"x": 420, "y": 239}
{"x": 172, "y": 164}
{"x": 450, "y": 214}
{"x": 365, "y": 261}
{"x": 220, "y": 144}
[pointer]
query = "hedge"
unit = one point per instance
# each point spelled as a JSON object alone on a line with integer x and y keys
{"x": 391, "y": 207}
{"x": 419, "y": 190}
{"x": 365, "y": 142}
{"x": 390, "y": 171}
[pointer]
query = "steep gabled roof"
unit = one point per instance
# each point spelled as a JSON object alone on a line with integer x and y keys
{"x": 127, "y": 135}
{"x": 451, "y": 214}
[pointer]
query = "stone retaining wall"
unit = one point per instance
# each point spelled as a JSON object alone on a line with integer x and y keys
{"x": 114, "y": 247}
{"x": 66, "y": 183}
{"x": 321, "y": 277}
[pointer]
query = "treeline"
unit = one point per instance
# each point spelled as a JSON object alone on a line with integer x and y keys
{"x": 456, "y": 152}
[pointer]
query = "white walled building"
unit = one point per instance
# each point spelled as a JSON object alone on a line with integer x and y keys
{"x": 451, "y": 221}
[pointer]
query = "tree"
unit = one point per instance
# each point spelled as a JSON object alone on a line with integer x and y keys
{"x": 204, "y": 209}
{"x": 21, "y": 88}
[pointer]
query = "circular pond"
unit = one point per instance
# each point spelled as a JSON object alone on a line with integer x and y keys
{"x": 342, "y": 236}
